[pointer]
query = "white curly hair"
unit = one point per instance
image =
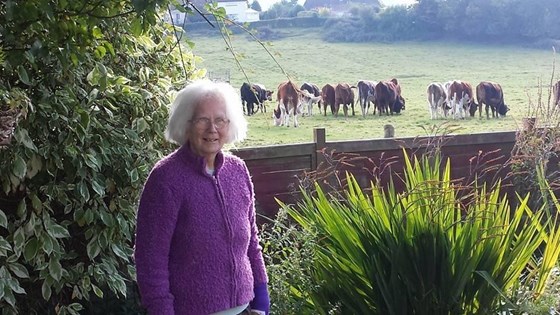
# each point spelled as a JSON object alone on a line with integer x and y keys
{"x": 187, "y": 100}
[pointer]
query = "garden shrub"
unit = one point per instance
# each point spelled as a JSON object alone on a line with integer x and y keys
{"x": 90, "y": 82}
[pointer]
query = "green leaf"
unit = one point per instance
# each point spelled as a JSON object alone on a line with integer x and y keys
{"x": 96, "y": 32}
{"x": 98, "y": 186}
{"x": 83, "y": 190}
{"x": 85, "y": 120}
{"x": 100, "y": 52}
{"x": 23, "y": 76}
{"x": 119, "y": 252}
{"x": 19, "y": 238}
{"x": 36, "y": 203}
{"x": 57, "y": 231}
{"x": 22, "y": 209}
{"x": 31, "y": 249}
{"x": 141, "y": 125}
{"x": 19, "y": 167}
{"x": 4, "y": 247}
{"x": 3, "y": 219}
{"x": 134, "y": 175}
{"x": 22, "y": 136}
{"x": 47, "y": 245}
{"x": 46, "y": 290}
{"x": 97, "y": 291}
{"x": 110, "y": 48}
{"x": 9, "y": 297}
{"x": 93, "y": 162}
{"x": 19, "y": 270}
{"x": 106, "y": 217}
{"x": 93, "y": 248}
{"x": 55, "y": 269}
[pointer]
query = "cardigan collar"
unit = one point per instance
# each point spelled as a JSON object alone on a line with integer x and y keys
{"x": 197, "y": 162}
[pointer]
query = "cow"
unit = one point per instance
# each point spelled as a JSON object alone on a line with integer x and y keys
{"x": 343, "y": 95}
{"x": 437, "y": 100}
{"x": 308, "y": 99}
{"x": 313, "y": 98}
{"x": 366, "y": 92}
{"x": 289, "y": 103}
{"x": 255, "y": 94}
{"x": 491, "y": 94}
{"x": 556, "y": 94}
{"x": 328, "y": 97}
{"x": 387, "y": 97}
{"x": 461, "y": 99}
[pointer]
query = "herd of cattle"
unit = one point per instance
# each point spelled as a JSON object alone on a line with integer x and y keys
{"x": 450, "y": 99}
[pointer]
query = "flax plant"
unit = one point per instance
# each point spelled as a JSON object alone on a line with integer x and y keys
{"x": 436, "y": 248}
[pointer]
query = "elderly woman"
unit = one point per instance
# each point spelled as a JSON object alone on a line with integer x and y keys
{"x": 197, "y": 249}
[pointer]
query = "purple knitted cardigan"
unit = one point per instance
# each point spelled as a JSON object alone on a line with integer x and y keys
{"x": 197, "y": 249}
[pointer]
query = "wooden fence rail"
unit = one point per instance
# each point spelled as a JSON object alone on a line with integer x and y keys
{"x": 276, "y": 169}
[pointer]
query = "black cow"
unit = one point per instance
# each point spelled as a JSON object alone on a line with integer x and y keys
{"x": 491, "y": 94}
{"x": 254, "y": 94}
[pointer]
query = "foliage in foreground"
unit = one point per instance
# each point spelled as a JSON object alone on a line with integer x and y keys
{"x": 426, "y": 250}
{"x": 86, "y": 85}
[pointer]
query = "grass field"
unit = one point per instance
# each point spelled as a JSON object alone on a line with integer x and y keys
{"x": 303, "y": 56}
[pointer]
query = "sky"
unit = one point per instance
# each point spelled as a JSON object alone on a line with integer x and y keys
{"x": 265, "y": 4}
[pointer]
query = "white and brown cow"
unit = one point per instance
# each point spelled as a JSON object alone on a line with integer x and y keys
{"x": 366, "y": 93}
{"x": 437, "y": 100}
{"x": 308, "y": 100}
{"x": 289, "y": 104}
{"x": 491, "y": 94}
{"x": 461, "y": 99}
{"x": 313, "y": 96}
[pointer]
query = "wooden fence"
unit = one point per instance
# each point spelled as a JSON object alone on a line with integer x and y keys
{"x": 277, "y": 169}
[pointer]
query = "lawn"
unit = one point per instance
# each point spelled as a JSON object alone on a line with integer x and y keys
{"x": 303, "y": 56}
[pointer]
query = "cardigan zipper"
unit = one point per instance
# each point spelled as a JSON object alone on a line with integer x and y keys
{"x": 230, "y": 238}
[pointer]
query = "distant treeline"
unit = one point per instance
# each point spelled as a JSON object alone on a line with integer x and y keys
{"x": 473, "y": 20}
{"x": 527, "y": 22}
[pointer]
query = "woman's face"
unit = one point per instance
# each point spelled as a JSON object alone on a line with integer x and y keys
{"x": 209, "y": 127}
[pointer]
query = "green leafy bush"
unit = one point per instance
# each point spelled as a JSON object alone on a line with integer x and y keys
{"x": 427, "y": 250}
{"x": 89, "y": 83}
{"x": 289, "y": 255}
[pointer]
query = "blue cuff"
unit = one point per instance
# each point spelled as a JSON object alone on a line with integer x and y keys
{"x": 261, "y": 301}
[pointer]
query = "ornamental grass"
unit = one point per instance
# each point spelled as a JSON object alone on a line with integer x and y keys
{"x": 436, "y": 248}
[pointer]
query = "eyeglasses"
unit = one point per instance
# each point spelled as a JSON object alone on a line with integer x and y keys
{"x": 204, "y": 123}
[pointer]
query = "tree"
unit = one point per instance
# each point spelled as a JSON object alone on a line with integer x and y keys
{"x": 256, "y": 6}
{"x": 282, "y": 9}
{"x": 86, "y": 85}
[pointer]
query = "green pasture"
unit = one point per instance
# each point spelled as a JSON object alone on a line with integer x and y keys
{"x": 304, "y": 56}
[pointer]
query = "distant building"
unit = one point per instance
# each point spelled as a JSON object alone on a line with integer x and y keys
{"x": 237, "y": 10}
{"x": 339, "y": 7}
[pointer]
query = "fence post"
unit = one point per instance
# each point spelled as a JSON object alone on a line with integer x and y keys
{"x": 319, "y": 137}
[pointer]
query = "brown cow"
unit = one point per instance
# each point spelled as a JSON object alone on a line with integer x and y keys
{"x": 556, "y": 93}
{"x": 491, "y": 94}
{"x": 289, "y": 103}
{"x": 328, "y": 97}
{"x": 366, "y": 91}
{"x": 343, "y": 95}
{"x": 461, "y": 99}
{"x": 387, "y": 97}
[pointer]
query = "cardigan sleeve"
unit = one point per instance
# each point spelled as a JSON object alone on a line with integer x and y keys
{"x": 156, "y": 220}
{"x": 255, "y": 250}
